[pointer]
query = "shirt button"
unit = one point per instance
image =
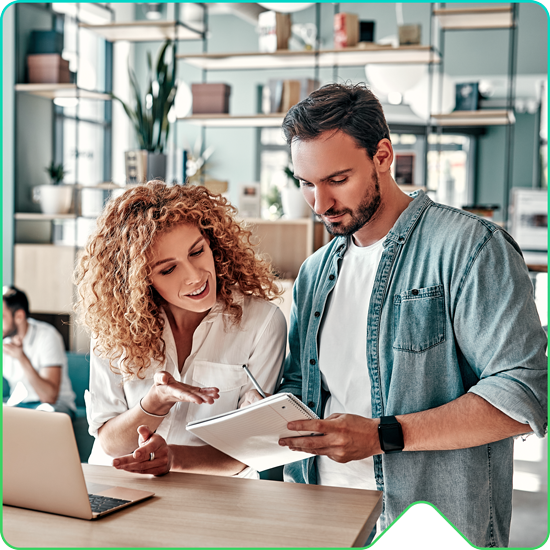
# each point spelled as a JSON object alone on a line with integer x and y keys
{"x": 331, "y": 277}
{"x": 414, "y": 292}
{"x": 312, "y": 361}
{"x": 311, "y": 404}
{"x": 317, "y": 313}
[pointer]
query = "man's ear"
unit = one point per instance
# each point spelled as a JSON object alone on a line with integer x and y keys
{"x": 384, "y": 156}
{"x": 19, "y": 317}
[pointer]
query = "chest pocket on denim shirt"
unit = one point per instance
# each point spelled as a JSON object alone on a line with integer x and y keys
{"x": 419, "y": 319}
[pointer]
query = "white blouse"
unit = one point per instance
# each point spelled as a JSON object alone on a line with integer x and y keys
{"x": 218, "y": 352}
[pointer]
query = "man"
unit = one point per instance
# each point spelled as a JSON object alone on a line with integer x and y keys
{"x": 413, "y": 333}
{"x": 34, "y": 360}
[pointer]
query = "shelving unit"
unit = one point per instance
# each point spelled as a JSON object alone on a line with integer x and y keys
{"x": 236, "y": 121}
{"x": 483, "y": 117}
{"x": 145, "y": 31}
{"x": 54, "y": 91}
{"x": 284, "y": 59}
{"x": 482, "y": 19}
{"x": 475, "y": 18}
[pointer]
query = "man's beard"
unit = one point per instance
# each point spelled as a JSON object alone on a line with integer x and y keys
{"x": 361, "y": 216}
{"x": 9, "y": 332}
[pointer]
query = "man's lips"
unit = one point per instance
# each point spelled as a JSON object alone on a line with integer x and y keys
{"x": 334, "y": 217}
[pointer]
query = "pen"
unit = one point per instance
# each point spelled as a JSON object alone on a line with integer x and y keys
{"x": 253, "y": 380}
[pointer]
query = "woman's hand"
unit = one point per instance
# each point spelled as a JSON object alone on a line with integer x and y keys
{"x": 153, "y": 456}
{"x": 166, "y": 391}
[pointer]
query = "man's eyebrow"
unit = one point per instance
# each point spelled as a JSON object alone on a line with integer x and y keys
{"x": 156, "y": 264}
{"x": 331, "y": 176}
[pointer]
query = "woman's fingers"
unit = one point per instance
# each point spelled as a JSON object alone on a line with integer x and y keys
{"x": 179, "y": 391}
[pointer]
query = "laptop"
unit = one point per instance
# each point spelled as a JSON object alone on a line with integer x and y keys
{"x": 42, "y": 469}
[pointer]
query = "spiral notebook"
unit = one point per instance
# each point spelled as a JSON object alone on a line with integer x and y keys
{"x": 251, "y": 434}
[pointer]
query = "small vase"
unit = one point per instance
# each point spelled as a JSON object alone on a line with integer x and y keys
{"x": 294, "y": 204}
{"x": 54, "y": 199}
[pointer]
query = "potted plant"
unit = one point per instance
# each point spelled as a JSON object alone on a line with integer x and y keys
{"x": 149, "y": 117}
{"x": 54, "y": 198}
{"x": 294, "y": 204}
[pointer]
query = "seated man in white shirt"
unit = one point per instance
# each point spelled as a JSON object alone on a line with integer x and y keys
{"x": 34, "y": 360}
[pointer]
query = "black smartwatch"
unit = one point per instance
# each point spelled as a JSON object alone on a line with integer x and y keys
{"x": 390, "y": 435}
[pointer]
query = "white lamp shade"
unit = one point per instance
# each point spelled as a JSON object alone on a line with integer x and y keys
{"x": 394, "y": 78}
{"x": 442, "y": 103}
{"x": 286, "y": 7}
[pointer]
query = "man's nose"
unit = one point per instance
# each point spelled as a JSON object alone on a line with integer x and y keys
{"x": 323, "y": 200}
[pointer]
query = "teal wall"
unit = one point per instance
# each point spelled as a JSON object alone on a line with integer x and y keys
{"x": 8, "y": 101}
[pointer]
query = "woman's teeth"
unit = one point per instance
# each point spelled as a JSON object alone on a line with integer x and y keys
{"x": 199, "y": 291}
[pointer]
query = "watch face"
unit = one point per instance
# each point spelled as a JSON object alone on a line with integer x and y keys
{"x": 392, "y": 438}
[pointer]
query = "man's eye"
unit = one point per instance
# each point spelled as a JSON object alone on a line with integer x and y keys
{"x": 305, "y": 183}
{"x": 339, "y": 181}
{"x": 198, "y": 252}
{"x": 168, "y": 271}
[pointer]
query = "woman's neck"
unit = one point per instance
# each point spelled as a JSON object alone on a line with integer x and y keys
{"x": 183, "y": 321}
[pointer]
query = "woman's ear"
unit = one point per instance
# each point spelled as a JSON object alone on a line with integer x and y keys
{"x": 383, "y": 158}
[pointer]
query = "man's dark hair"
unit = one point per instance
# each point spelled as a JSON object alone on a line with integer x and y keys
{"x": 350, "y": 108}
{"x": 15, "y": 299}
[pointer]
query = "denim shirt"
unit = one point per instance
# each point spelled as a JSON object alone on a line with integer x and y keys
{"x": 451, "y": 312}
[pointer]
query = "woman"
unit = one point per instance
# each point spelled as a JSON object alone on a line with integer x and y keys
{"x": 176, "y": 302}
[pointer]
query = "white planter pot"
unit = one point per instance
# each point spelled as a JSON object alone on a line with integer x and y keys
{"x": 54, "y": 199}
{"x": 294, "y": 204}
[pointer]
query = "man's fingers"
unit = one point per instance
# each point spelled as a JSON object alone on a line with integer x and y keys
{"x": 313, "y": 426}
{"x": 307, "y": 444}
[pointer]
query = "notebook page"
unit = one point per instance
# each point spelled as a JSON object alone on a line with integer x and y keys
{"x": 253, "y": 438}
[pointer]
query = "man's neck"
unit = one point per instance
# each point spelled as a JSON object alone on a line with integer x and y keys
{"x": 394, "y": 202}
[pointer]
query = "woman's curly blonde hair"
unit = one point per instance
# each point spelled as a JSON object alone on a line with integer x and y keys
{"x": 115, "y": 298}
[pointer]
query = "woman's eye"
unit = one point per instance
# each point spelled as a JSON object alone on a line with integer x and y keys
{"x": 198, "y": 252}
{"x": 168, "y": 271}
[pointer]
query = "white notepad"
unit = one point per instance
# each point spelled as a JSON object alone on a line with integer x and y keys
{"x": 251, "y": 434}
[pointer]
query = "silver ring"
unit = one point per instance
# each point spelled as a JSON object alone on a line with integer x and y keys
{"x": 151, "y": 456}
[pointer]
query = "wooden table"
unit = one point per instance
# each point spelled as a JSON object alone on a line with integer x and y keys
{"x": 191, "y": 510}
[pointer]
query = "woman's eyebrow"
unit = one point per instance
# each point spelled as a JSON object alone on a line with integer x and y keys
{"x": 172, "y": 259}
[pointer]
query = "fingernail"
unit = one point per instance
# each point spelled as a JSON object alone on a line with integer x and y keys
{"x": 137, "y": 454}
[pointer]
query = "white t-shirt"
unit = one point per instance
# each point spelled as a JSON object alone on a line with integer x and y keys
{"x": 218, "y": 352}
{"x": 343, "y": 357}
{"x": 43, "y": 346}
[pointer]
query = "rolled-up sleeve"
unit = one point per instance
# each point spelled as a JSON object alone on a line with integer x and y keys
{"x": 499, "y": 333}
{"x": 105, "y": 398}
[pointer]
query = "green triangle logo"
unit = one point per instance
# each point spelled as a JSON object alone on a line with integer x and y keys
{"x": 421, "y": 524}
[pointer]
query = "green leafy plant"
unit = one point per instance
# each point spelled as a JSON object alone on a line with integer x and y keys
{"x": 290, "y": 173}
{"x": 150, "y": 114}
{"x": 56, "y": 172}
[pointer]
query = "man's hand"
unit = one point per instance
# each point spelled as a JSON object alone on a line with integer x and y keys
{"x": 251, "y": 397}
{"x": 15, "y": 348}
{"x": 345, "y": 437}
{"x": 166, "y": 391}
{"x": 151, "y": 445}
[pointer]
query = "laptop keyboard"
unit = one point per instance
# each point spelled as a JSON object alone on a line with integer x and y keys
{"x": 103, "y": 504}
